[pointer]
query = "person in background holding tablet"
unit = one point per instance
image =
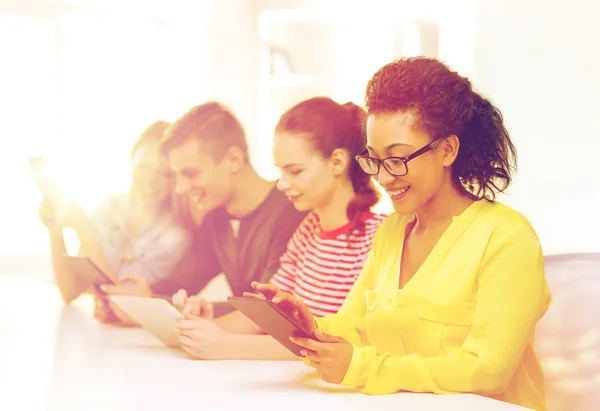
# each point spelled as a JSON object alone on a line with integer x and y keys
{"x": 247, "y": 222}
{"x": 315, "y": 144}
{"x": 129, "y": 236}
{"x": 454, "y": 285}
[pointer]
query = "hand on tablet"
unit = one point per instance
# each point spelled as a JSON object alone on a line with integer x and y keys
{"x": 130, "y": 285}
{"x": 102, "y": 312}
{"x": 329, "y": 355}
{"x": 291, "y": 305}
{"x": 192, "y": 305}
{"x": 123, "y": 318}
{"x": 108, "y": 313}
{"x": 201, "y": 338}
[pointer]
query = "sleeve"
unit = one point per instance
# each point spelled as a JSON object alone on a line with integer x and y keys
{"x": 101, "y": 220}
{"x": 103, "y": 213}
{"x": 285, "y": 277}
{"x": 98, "y": 235}
{"x": 167, "y": 251}
{"x": 286, "y": 225}
{"x": 349, "y": 321}
{"x": 197, "y": 266}
{"x": 511, "y": 269}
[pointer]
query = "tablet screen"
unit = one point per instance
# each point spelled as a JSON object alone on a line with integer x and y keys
{"x": 273, "y": 321}
{"x": 84, "y": 267}
{"x": 154, "y": 314}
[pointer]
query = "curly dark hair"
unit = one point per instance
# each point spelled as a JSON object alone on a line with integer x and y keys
{"x": 444, "y": 104}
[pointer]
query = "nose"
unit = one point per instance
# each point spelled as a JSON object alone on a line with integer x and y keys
{"x": 283, "y": 184}
{"x": 384, "y": 178}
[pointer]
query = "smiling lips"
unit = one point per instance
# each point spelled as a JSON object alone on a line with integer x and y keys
{"x": 294, "y": 198}
{"x": 397, "y": 193}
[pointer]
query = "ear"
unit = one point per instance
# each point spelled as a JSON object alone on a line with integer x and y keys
{"x": 450, "y": 147}
{"x": 234, "y": 159}
{"x": 339, "y": 161}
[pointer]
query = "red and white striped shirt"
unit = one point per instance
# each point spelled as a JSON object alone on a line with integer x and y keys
{"x": 321, "y": 267}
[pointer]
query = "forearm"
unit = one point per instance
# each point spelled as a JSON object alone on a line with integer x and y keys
{"x": 458, "y": 372}
{"x": 254, "y": 347}
{"x": 237, "y": 323}
{"x": 69, "y": 283}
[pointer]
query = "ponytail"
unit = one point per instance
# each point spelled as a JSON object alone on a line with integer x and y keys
{"x": 487, "y": 157}
{"x": 329, "y": 126}
{"x": 366, "y": 194}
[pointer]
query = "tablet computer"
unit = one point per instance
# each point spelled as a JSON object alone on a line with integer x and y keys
{"x": 154, "y": 314}
{"x": 84, "y": 267}
{"x": 272, "y": 320}
{"x": 43, "y": 180}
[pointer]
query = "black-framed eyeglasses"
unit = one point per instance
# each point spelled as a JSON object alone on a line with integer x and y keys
{"x": 396, "y": 166}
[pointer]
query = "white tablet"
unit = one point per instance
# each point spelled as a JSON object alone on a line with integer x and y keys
{"x": 154, "y": 314}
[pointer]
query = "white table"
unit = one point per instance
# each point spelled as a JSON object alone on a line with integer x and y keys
{"x": 57, "y": 357}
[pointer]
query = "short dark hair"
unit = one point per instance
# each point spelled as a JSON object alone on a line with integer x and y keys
{"x": 214, "y": 125}
{"x": 444, "y": 103}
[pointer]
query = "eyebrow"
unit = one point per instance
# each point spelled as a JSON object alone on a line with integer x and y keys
{"x": 391, "y": 146}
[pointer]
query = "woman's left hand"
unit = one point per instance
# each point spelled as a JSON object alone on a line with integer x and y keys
{"x": 330, "y": 355}
{"x": 200, "y": 338}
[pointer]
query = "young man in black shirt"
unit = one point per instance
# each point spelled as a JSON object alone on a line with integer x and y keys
{"x": 248, "y": 222}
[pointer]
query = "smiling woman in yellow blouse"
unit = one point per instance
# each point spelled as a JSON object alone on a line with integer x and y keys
{"x": 451, "y": 292}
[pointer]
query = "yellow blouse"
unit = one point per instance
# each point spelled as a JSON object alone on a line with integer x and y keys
{"x": 464, "y": 323}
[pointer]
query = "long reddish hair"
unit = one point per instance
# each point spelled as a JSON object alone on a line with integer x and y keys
{"x": 328, "y": 126}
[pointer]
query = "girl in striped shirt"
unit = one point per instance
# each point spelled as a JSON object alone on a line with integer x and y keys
{"x": 315, "y": 145}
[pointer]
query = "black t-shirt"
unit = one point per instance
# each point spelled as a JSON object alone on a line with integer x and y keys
{"x": 245, "y": 250}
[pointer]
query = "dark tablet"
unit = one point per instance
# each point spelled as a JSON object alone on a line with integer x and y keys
{"x": 86, "y": 268}
{"x": 272, "y": 320}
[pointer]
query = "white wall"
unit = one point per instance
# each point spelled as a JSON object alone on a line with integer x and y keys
{"x": 232, "y": 60}
{"x": 539, "y": 62}
{"x": 455, "y": 19}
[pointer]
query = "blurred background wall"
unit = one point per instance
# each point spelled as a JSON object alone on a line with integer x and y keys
{"x": 80, "y": 79}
